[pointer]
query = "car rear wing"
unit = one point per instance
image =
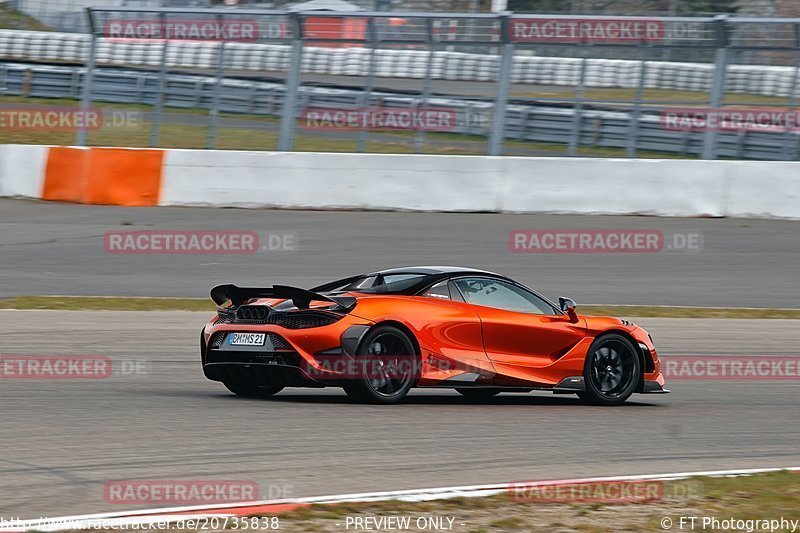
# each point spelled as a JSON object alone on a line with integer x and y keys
{"x": 301, "y": 298}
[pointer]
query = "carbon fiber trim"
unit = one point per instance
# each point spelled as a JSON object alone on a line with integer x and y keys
{"x": 289, "y": 320}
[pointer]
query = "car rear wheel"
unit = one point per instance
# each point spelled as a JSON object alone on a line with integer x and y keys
{"x": 247, "y": 390}
{"x": 390, "y": 367}
{"x": 611, "y": 372}
{"x": 478, "y": 393}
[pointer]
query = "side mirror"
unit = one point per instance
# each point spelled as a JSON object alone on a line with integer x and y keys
{"x": 568, "y": 305}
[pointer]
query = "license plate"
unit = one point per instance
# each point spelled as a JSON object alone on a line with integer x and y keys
{"x": 246, "y": 339}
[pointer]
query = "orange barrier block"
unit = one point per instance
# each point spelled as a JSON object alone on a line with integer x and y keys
{"x": 124, "y": 177}
{"x": 107, "y": 176}
{"x": 65, "y": 173}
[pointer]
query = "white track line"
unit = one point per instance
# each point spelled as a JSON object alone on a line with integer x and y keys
{"x": 172, "y": 514}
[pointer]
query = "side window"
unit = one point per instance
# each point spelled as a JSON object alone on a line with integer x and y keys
{"x": 440, "y": 291}
{"x": 502, "y": 295}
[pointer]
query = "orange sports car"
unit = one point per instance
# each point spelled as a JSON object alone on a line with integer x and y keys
{"x": 377, "y": 335}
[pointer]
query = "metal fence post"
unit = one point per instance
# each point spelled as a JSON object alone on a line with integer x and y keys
{"x": 791, "y": 139}
{"x": 155, "y": 126}
{"x": 286, "y": 140}
{"x": 426, "y": 83}
{"x": 503, "y": 87}
{"x": 580, "y": 90}
{"x": 214, "y": 113}
{"x": 717, "y": 97}
{"x": 633, "y": 135}
{"x": 372, "y": 36}
{"x": 88, "y": 81}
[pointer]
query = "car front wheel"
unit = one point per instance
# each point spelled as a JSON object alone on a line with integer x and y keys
{"x": 611, "y": 372}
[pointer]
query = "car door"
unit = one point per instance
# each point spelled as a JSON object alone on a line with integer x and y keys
{"x": 452, "y": 331}
{"x": 522, "y": 332}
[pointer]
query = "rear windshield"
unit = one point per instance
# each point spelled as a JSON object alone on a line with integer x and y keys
{"x": 389, "y": 283}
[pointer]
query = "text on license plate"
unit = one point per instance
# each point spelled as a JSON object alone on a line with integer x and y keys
{"x": 246, "y": 339}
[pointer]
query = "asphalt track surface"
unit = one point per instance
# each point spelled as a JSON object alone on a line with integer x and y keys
{"x": 53, "y": 248}
{"x": 62, "y": 440}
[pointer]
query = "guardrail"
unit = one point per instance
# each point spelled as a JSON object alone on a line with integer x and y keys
{"x": 523, "y": 122}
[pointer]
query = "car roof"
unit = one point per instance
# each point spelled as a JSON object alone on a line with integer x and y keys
{"x": 431, "y": 270}
{"x": 429, "y": 275}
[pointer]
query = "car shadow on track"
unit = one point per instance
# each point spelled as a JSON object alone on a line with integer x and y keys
{"x": 290, "y": 396}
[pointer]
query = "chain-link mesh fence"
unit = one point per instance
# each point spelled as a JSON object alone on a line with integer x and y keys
{"x": 446, "y": 83}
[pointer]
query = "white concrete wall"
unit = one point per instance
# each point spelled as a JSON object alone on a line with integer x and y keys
{"x": 477, "y": 183}
{"x": 319, "y": 180}
{"x": 22, "y": 169}
{"x": 615, "y": 186}
{"x": 761, "y": 190}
